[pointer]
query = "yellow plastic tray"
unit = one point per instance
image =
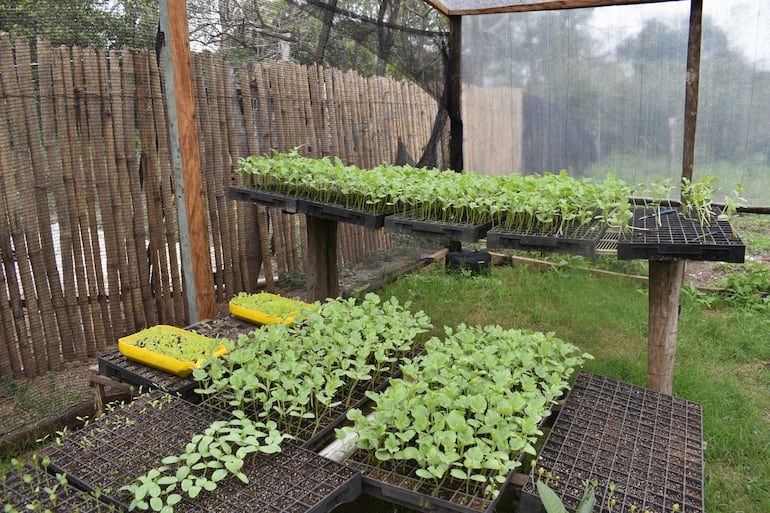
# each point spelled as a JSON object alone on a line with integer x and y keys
{"x": 161, "y": 361}
{"x": 257, "y": 317}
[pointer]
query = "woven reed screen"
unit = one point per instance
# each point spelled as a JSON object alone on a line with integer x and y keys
{"x": 89, "y": 242}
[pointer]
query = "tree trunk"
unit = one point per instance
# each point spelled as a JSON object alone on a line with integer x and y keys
{"x": 385, "y": 34}
{"x": 326, "y": 29}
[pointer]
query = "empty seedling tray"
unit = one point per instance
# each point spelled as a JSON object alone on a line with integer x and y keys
{"x": 675, "y": 235}
{"x": 643, "y": 448}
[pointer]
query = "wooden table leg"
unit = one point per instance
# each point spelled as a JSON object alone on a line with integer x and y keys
{"x": 665, "y": 286}
{"x": 322, "y": 274}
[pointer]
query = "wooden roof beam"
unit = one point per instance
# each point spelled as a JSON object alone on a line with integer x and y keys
{"x": 471, "y": 7}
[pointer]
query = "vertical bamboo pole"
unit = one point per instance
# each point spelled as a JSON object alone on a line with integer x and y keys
{"x": 263, "y": 215}
{"x": 26, "y": 129}
{"x": 251, "y": 250}
{"x": 186, "y": 157}
{"x": 95, "y": 103}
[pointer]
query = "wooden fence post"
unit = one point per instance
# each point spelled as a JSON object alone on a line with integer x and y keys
{"x": 185, "y": 153}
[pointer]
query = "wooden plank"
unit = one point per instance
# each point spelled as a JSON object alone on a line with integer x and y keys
{"x": 320, "y": 110}
{"x": 469, "y": 9}
{"x": 211, "y": 141}
{"x": 22, "y": 221}
{"x": 234, "y": 131}
{"x": 128, "y": 178}
{"x": 263, "y": 216}
{"x": 15, "y": 335}
{"x": 142, "y": 264}
{"x": 182, "y": 117}
{"x": 152, "y": 187}
{"x": 665, "y": 285}
{"x": 72, "y": 246}
{"x": 214, "y": 190}
{"x": 119, "y": 198}
{"x": 110, "y": 200}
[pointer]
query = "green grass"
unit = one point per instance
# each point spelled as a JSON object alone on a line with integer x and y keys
{"x": 721, "y": 358}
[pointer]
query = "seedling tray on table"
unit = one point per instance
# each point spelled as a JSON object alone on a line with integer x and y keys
{"x": 452, "y": 231}
{"x": 295, "y": 205}
{"x": 678, "y": 236}
{"x": 114, "y": 450}
{"x": 647, "y": 444}
{"x": 580, "y": 240}
{"x": 287, "y": 204}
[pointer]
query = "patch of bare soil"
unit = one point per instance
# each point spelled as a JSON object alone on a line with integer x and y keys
{"x": 26, "y": 400}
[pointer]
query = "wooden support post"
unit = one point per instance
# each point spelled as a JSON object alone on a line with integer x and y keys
{"x": 454, "y": 83}
{"x": 185, "y": 154}
{"x": 322, "y": 275}
{"x": 691, "y": 87}
{"x": 665, "y": 285}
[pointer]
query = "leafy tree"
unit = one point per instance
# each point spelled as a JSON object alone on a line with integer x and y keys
{"x": 82, "y": 22}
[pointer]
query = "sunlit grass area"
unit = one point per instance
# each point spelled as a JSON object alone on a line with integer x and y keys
{"x": 722, "y": 355}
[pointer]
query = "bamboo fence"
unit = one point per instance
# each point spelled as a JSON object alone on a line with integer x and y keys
{"x": 89, "y": 241}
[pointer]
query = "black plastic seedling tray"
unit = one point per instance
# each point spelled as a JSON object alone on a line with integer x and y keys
{"x": 452, "y": 231}
{"x": 342, "y": 214}
{"x": 31, "y": 488}
{"x": 401, "y": 486}
{"x": 114, "y": 450}
{"x": 678, "y": 236}
{"x": 579, "y": 240}
{"x": 646, "y": 445}
{"x": 114, "y": 364}
{"x": 285, "y": 203}
{"x": 313, "y": 434}
{"x": 294, "y": 205}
